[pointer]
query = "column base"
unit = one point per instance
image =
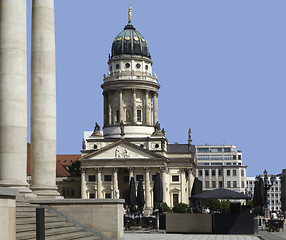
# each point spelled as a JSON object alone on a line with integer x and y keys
{"x": 46, "y": 192}
{"x": 23, "y": 187}
{"x": 148, "y": 211}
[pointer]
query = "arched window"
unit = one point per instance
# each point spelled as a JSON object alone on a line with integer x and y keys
{"x": 128, "y": 115}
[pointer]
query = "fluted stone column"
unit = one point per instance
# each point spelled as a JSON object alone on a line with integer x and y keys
{"x": 155, "y": 108}
{"x": 131, "y": 172}
{"x": 147, "y": 188}
{"x": 115, "y": 180}
{"x": 190, "y": 181}
{"x": 134, "y": 109}
{"x": 105, "y": 106}
{"x": 83, "y": 184}
{"x": 99, "y": 183}
{"x": 183, "y": 186}
{"x": 164, "y": 183}
{"x": 109, "y": 110}
{"x": 120, "y": 106}
{"x": 43, "y": 100}
{"x": 13, "y": 95}
{"x": 146, "y": 108}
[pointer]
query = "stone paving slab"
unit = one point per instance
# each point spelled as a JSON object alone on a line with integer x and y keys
{"x": 160, "y": 236}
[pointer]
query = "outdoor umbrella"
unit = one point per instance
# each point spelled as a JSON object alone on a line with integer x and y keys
{"x": 258, "y": 197}
{"x": 132, "y": 196}
{"x": 140, "y": 196}
{"x": 196, "y": 189}
{"x": 158, "y": 192}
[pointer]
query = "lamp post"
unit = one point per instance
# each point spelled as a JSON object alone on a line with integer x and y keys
{"x": 267, "y": 186}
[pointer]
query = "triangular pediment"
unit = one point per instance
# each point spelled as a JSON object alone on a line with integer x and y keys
{"x": 122, "y": 150}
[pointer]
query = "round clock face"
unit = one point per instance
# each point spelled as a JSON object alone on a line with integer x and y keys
{"x": 138, "y": 65}
{"x": 117, "y": 66}
{"x": 127, "y": 65}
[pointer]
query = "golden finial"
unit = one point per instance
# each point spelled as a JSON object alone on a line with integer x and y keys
{"x": 130, "y": 13}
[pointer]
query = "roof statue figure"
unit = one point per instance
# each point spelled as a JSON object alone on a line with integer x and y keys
{"x": 130, "y": 13}
{"x": 190, "y": 133}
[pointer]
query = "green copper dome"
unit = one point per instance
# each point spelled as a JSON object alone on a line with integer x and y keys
{"x": 130, "y": 41}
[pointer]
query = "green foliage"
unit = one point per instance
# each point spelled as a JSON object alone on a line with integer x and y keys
{"x": 216, "y": 205}
{"x": 181, "y": 208}
{"x": 250, "y": 204}
{"x": 74, "y": 169}
{"x": 165, "y": 207}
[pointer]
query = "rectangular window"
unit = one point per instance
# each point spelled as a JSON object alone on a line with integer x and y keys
{"x": 207, "y": 172}
{"x": 242, "y": 184}
{"x": 200, "y": 173}
{"x": 227, "y": 157}
{"x": 202, "y": 150}
{"x": 207, "y": 184}
{"x": 175, "y": 198}
{"x": 216, "y": 150}
{"x": 91, "y": 178}
{"x": 139, "y": 116}
{"x": 234, "y": 157}
{"x": 226, "y": 149}
{"x": 91, "y": 195}
{"x": 228, "y": 184}
{"x": 213, "y": 173}
{"x": 219, "y": 172}
{"x": 138, "y": 177}
{"x": 213, "y": 184}
{"x": 239, "y": 157}
{"x": 153, "y": 177}
{"x": 220, "y": 184}
{"x": 233, "y": 172}
{"x": 117, "y": 116}
{"x": 107, "y": 195}
{"x": 242, "y": 172}
{"x": 216, "y": 163}
{"x": 107, "y": 178}
{"x": 175, "y": 178}
{"x": 216, "y": 157}
{"x": 234, "y": 184}
{"x": 203, "y": 157}
{"x": 228, "y": 172}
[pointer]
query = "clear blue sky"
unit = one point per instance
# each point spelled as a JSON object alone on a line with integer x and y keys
{"x": 220, "y": 63}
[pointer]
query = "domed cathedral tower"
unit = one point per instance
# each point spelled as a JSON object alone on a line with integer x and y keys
{"x": 132, "y": 143}
{"x": 130, "y": 90}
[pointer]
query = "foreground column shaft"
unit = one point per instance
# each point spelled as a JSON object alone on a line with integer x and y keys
{"x": 13, "y": 95}
{"x": 43, "y": 100}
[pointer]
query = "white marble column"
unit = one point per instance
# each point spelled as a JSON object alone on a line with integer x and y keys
{"x": 183, "y": 186}
{"x": 190, "y": 181}
{"x": 146, "y": 108}
{"x": 13, "y": 95}
{"x": 155, "y": 108}
{"x": 164, "y": 183}
{"x": 43, "y": 100}
{"x": 105, "y": 108}
{"x": 147, "y": 188}
{"x": 99, "y": 183}
{"x": 115, "y": 181}
{"x": 134, "y": 109}
{"x": 131, "y": 172}
{"x": 109, "y": 110}
{"x": 83, "y": 184}
{"x": 120, "y": 106}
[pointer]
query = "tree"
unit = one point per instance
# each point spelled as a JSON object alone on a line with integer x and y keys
{"x": 181, "y": 208}
{"x": 74, "y": 169}
{"x": 165, "y": 207}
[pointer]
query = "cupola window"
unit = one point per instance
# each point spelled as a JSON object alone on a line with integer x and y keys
{"x": 128, "y": 116}
{"x": 138, "y": 65}
{"x": 127, "y": 65}
{"x": 117, "y": 66}
{"x": 146, "y": 67}
{"x": 139, "y": 115}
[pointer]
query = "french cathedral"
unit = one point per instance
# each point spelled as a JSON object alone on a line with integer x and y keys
{"x": 132, "y": 142}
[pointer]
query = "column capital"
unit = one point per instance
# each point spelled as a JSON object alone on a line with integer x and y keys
{"x": 147, "y": 169}
{"x": 114, "y": 169}
{"x": 147, "y": 91}
{"x": 164, "y": 169}
{"x": 133, "y": 90}
{"x": 155, "y": 94}
{"x": 131, "y": 169}
{"x": 99, "y": 170}
{"x": 182, "y": 170}
{"x": 83, "y": 170}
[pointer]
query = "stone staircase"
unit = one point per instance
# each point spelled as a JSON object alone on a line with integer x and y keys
{"x": 56, "y": 228}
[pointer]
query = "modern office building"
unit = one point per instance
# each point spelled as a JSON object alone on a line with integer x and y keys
{"x": 273, "y": 194}
{"x": 220, "y": 166}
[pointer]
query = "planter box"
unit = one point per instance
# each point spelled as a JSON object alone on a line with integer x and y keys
{"x": 188, "y": 223}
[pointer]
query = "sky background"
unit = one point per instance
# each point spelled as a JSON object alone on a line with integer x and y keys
{"x": 220, "y": 64}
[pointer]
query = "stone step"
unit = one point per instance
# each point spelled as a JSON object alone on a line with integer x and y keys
{"x": 27, "y": 209}
{"x": 70, "y": 236}
{"x": 32, "y": 227}
{"x": 50, "y": 232}
{"x": 33, "y": 220}
{"x": 90, "y": 238}
{"x": 33, "y": 214}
